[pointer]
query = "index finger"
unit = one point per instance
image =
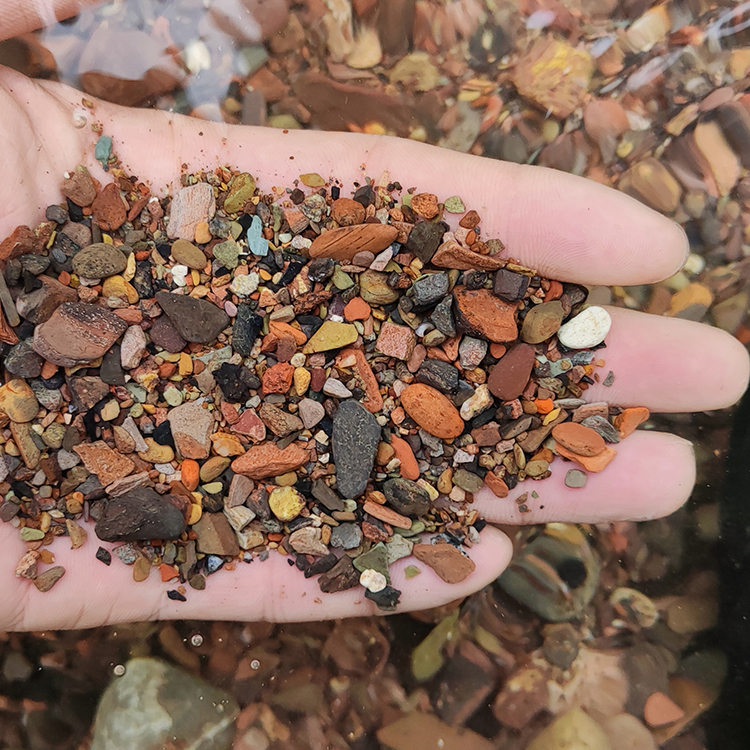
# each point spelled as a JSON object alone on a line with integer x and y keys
{"x": 567, "y": 227}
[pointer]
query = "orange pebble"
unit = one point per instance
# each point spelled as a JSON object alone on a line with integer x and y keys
{"x": 544, "y": 405}
{"x": 594, "y": 464}
{"x": 167, "y": 369}
{"x": 357, "y": 309}
{"x": 409, "y": 466}
{"x": 190, "y": 473}
{"x": 496, "y": 484}
{"x": 398, "y": 415}
{"x": 48, "y": 369}
{"x": 497, "y": 350}
{"x": 629, "y": 419}
{"x": 167, "y": 572}
{"x": 64, "y": 278}
{"x": 660, "y": 710}
{"x": 554, "y": 292}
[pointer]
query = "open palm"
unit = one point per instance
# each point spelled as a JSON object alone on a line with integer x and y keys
{"x": 568, "y": 228}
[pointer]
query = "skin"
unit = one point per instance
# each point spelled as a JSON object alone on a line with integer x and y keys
{"x": 569, "y": 228}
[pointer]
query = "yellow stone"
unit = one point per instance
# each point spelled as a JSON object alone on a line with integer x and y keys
{"x": 213, "y": 468}
{"x": 18, "y": 401}
{"x": 116, "y": 286}
{"x": 690, "y": 295}
{"x": 227, "y": 445}
{"x": 194, "y": 514}
{"x": 110, "y": 411}
{"x": 186, "y": 364}
{"x": 202, "y": 233}
{"x": 157, "y": 454}
{"x": 301, "y": 381}
{"x": 445, "y": 481}
{"x": 739, "y": 63}
{"x": 129, "y": 271}
{"x": 286, "y": 480}
{"x": 331, "y": 335}
{"x": 286, "y": 503}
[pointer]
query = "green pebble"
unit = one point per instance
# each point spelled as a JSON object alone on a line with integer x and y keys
{"x": 375, "y": 559}
{"x": 213, "y": 488}
{"x": 136, "y": 410}
{"x": 103, "y": 150}
{"x": 227, "y": 253}
{"x": 342, "y": 280}
{"x": 172, "y": 396}
{"x": 454, "y": 205}
{"x": 31, "y": 535}
{"x": 411, "y": 571}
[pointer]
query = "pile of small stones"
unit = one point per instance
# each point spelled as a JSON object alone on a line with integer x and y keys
{"x": 229, "y": 374}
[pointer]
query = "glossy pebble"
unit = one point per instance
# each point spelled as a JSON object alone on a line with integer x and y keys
{"x": 587, "y": 329}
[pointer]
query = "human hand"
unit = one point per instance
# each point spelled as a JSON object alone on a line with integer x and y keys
{"x": 568, "y": 228}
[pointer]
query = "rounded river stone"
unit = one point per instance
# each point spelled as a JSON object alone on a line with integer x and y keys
{"x": 511, "y": 374}
{"x": 542, "y": 321}
{"x": 141, "y": 515}
{"x": 99, "y": 261}
{"x": 407, "y": 497}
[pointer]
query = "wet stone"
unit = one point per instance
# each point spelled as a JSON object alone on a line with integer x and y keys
{"x": 196, "y": 320}
{"x": 22, "y": 361}
{"x": 429, "y": 290}
{"x": 509, "y": 377}
{"x": 407, "y": 497}
{"x": 245, "y": 330}
{"x": 356, "y": 434}
{"x": 510, "y": 286}
{"x": 141, "y": 515}
{"x": 542, "y": 322}
{"x": 99, "y": 261}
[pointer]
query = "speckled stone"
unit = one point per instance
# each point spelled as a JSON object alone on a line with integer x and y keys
{"x": 356, "y": 434}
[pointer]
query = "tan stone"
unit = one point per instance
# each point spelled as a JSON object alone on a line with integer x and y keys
{"x": 101, "y": 460}
{"x": 266, "y": 460}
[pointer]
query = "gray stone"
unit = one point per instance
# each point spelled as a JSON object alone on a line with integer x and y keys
{"x": 440, "y": 375}
{"x": 141, "y": 515}
{"x": 510, "y": 286}
{"x": 164, "y": 334}
{"x": 325, "y": 495}
{"x": 99, "y": 261}
{"x": 23, "y": 361}
{"x": 346, "y": 536}
{"x": 153, "y": 705}
{"x": 575, "y": 479}
{"x": 407, "y": 497}
{"x": 35, "y": 264}
{"x": 425, "y": 238}
{"x": 356, "y": 433}
{"x": 111, "y": 371}
{"x": 311, "y": 412}
{"x": 471, "y": 352}
{"x": 603, "y": 427}
{"x": 245, "y": 330}
{"x": 442, "y": 317}
{"x": 429, "y": 289}
{"x": 196, "y": 320}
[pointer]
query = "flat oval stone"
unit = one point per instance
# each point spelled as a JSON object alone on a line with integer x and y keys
{"x": 542, "y": 321}
{"x": 356, "y": 434}
{"x": 432, "y": 411}
{"x": 579, "y": 439}
{"x": 196, "y": 320}
{"x": 187, "y": 254}
{"x": 587, "y": 329}
{"x": 407, "y": 497}
{"x": 140, "y": 515}
{"x": 480, "y": 313}
{"x": 511, "y": 374}
{"x": 99, "y": 261}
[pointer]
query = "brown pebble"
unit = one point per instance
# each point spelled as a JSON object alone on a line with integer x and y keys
{"x": 45, "y": 581}
{"x": 510, "y": 376}
{"x": 447, "y": 561}
{"x": 141, "y": 569}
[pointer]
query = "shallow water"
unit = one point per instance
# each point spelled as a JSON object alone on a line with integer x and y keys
{"x": 448, "y": 73}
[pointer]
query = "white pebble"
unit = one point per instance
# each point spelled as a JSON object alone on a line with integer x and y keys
{"x": 373, "y": 580}
{"x": 243, "y": 286}
{"x": 333, "y": 387}
{"x": 587, "y": 329}
{"x": 297, "y": 360}
{"x": 179, "y": 273}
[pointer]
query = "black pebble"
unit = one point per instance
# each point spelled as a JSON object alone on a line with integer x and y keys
{"x": 176, "y": 596}
{"x": 387, "y": 599}
{"x": 104, "y": 556}
{"x": 162, "y": 434}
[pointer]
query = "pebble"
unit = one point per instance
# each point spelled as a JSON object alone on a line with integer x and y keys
{"x": 357, "y": 309}
{"x": 374, "y": 289}
{"x": 542, "y": 322}
{"x": 191, "y": 426}
{"x": 446, "y": 560}
{"x": 132, "y": 348}
{"x": 22, "y": 361}
{"x": 476, "y": 403}
{"x": 429, "y": 289}
{"x": 510, "y": 286}
{"x": 575, "y": 479}
{"x": 471, "y": 352}
{"x": 79, "y": 187}
{"x": 432, "y": 411}
{"x": 342, "y": 576}
{"x": 586, "y": 329}
{"x": 101, "y": 460}
{"x": 99, "y": 261}
{"x": 266, "y": 460}
{"x": 438, "y": 374}
{"x": 311, "y": 412}
{"x": 142, "y": 515}
{"x": 603, "y": 426}
{"x": 574, "y": 729}
{"x": 245, "y": 285}
{"x": 227, "y": 253}
{"x": 579, "y": 439}
{"x": 510, "y": 376}
{"x": 382, "y": 260}
{"x": 18, "y": 401}
{"x": 280, "y": 422}
{"x": 372, "y": 580}
{"x": 45, "y": 581}
{"x": 215, "y": 536}
{"x": 355, "y": 438}
{"x": 480, "y": 313}
{"x": 331, "y": 335}
{"x": 406, "y": 496}
{"x": 308, "y": 541}
{"x": 196, "y": 320}
{"x": 77, "y": 333}
{"x": 190, "y": 206}
{"x": 347, "y": 212}
{"x": 241, "y": 190}
{"x": 334, "y": 387}
{"x": 346, "y": 536}
{"x": 345, "y": 242}
{"x": 286, "y": 503}
{"x": 187, "y": 254}
{"x": 629, "y": 419}
{"x": 396, "y": 341}
{"x": 661, "y": 710}
{"x": 245, "y": 330}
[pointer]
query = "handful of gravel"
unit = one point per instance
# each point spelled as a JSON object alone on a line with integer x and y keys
{"x": 229, "y": 374}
